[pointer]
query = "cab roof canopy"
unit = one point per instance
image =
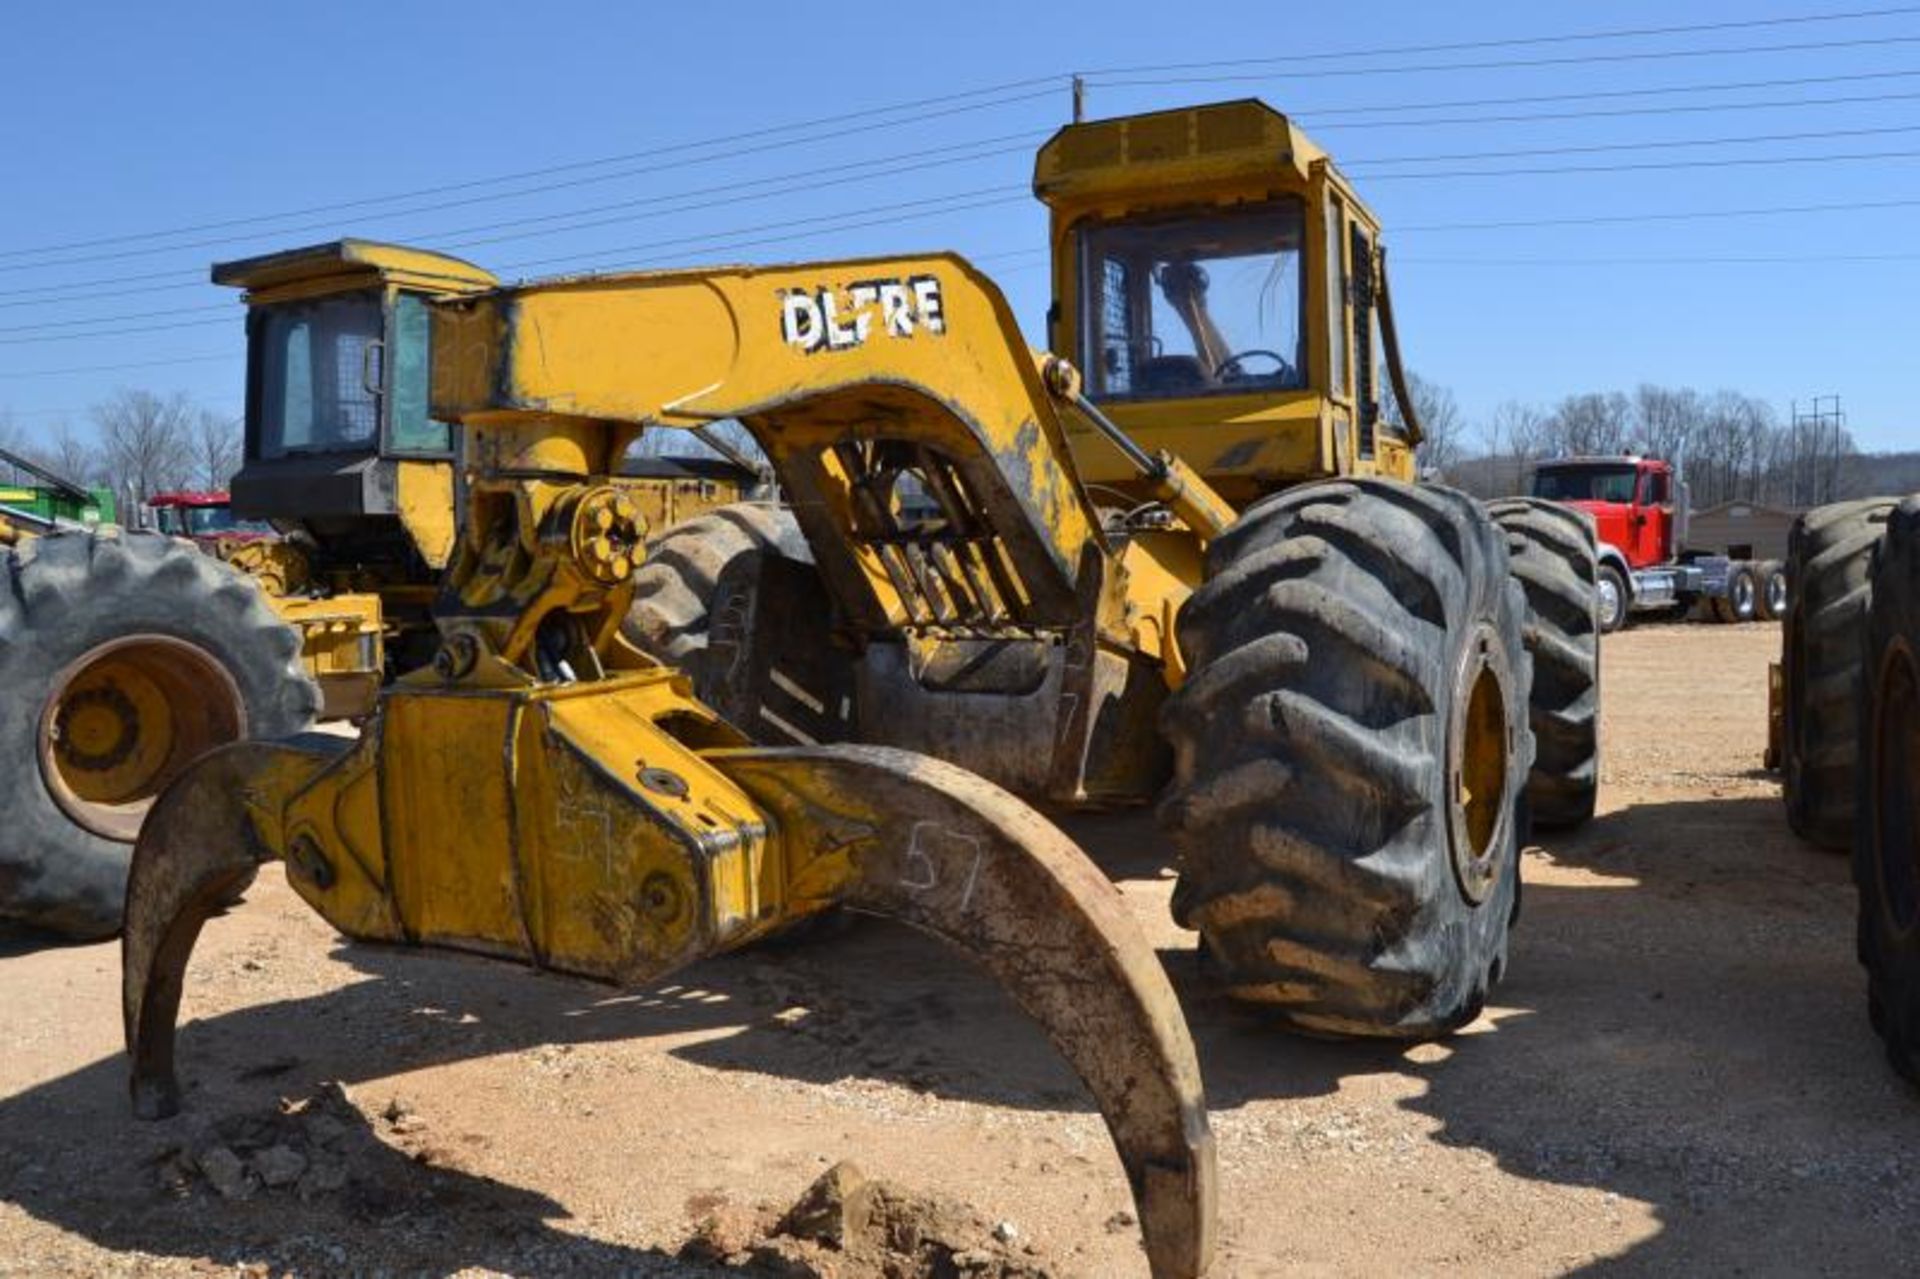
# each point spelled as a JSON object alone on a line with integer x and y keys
{"x": 1244, "y": 143}
{"x": 352, "y": 264}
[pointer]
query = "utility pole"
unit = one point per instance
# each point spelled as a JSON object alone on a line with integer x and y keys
{"x": 1079, "y": 99}
{"x": 1824, "y": 428}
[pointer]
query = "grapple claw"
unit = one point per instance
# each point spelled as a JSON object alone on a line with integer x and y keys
{"x": 196, "y": 850}
{"x": 902, "y": 835}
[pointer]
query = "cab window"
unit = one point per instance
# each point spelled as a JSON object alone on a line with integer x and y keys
{"x": 411, "y": 427}
{"x": 1659, "y": 489}
{"x": 1585, "y": 484}
{"x": 1200, "y": 305}
{"x": 319, "y": 371}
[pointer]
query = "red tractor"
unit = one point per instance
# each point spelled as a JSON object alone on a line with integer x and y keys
{"x": 1639, "y": 508}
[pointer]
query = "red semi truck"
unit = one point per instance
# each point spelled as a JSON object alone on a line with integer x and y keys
{"x": 1639, "y": 508}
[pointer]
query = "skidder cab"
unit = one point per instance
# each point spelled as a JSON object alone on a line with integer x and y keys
{"x": 1223, "y": 291}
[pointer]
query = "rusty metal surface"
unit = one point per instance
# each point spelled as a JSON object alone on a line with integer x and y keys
{"x": 196, "y": 850}
{"x": 915, "y": 839}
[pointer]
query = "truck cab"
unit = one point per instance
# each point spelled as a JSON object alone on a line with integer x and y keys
{"x": 1639, "y": 509}
{"x": 204, "y": 517}
{"x": 1631, "y": 500}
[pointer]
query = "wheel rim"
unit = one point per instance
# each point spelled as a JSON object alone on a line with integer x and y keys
{"x": 1480, "y": 751}
{"x": 1608, "y": 592}
{"x": 1777, "y": 594}
{"x": 1743, "y": 597}
{"x": 1894, "y": 818}
{"x": 124, "y": 719}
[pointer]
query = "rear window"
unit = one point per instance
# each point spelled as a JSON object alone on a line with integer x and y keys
{"x": 319, "y": 375}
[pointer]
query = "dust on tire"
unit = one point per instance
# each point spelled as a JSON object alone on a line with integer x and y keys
{"x": 1312, "y": 802}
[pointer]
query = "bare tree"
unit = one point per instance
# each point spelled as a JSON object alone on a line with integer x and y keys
{"x": 216, "y": 445}
{"x": 1514, "y": 435}
{"x": 72, "y": 457}
{"x": 1591, "y": 424}
{"x": 1442, "y": 425}
{"x": 147, "y": 441}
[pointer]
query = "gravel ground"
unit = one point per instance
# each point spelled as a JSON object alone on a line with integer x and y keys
{"x": 1677, "y": 1077}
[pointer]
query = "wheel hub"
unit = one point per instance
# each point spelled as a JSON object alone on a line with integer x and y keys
{"x": 124, "y": 719}
{"x": 1480, "y": 771}
{"x": 1609, "y": 597}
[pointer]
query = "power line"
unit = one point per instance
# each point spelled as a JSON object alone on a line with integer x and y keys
{"x": 801, "y": 180}
{"x": 1656, "y": 55}
{"x": 121, "y": 368}
{"x": 1658, "y": 216}
{"x": 116, "y": 319}
{"x": 953, "y": 202}
{"x": 1650, "y": 145}
{"x": 1604, "y": 94}
{"x": 981, "y": 199}
{"x": 1688, "y": 260}
{"x": 35, "y": 295}
{"x": 1728, "y": 163}
{"x": 1519, "y": 41}
{"x": 1671, "y": 108}
{"x": 216, "y": 241}
{"x": 794, "y": 183}
{"x": 59, "y": 294}
{"x": 111, "y": 333}
{"x": 1003, "y": 94}
{"x": 600, "y": 162}
{"x": 765, "y": 188}
{"x": 185, "y": 277}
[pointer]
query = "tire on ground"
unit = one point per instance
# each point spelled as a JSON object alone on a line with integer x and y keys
{"x": 1351, "y": 636}
{"x": 1552, "y": 550}
{"x": 1828, "y": 553}
{"x": 696, "y": 606}
{"x": 197, "y": 657}
{"x": 1886, "y": 847}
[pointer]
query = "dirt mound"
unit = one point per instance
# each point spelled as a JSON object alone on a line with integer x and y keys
{"x": 849, "y": 1226}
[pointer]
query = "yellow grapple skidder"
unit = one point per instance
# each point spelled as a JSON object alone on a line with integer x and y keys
{"x": 1020, "y": 572}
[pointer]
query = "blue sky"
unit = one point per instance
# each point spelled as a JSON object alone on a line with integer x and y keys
{"x": 123, "y": 120}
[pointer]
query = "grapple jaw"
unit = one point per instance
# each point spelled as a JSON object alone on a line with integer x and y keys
{"x": 937, "y": 847}
{"x": 880, "y": 831}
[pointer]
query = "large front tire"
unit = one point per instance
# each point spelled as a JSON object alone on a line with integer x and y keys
{"x": 123, "y": 657}
{"x": 1351, "y": 748}
{"x": 1829, "y": 553}
{"x": 1886, "y": 848}
{"x": 732, "y": 598}
{"x": 1554, "y": 557}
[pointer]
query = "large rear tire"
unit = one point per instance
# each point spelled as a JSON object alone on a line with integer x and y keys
{"x": 123, "y": 657}
{"x": 1554, "y": 556}
{"x": 1351, "y": 748}
{"x": 731, "y": 597}
{"x": 1829, "y": 551}
{"x": 1886, "y": 850}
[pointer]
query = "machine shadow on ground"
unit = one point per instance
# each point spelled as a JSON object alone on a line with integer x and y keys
{"x": 1595, "y": 1069}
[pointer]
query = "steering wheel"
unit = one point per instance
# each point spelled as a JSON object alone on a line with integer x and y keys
{"x": 1229, "y": 370}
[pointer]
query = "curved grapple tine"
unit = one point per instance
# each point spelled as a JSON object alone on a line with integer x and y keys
{"x": 195, "y": 851}
{"x": 892, "y": 833}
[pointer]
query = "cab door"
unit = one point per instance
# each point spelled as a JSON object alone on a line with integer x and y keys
{"x": 1651, "y": 524}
